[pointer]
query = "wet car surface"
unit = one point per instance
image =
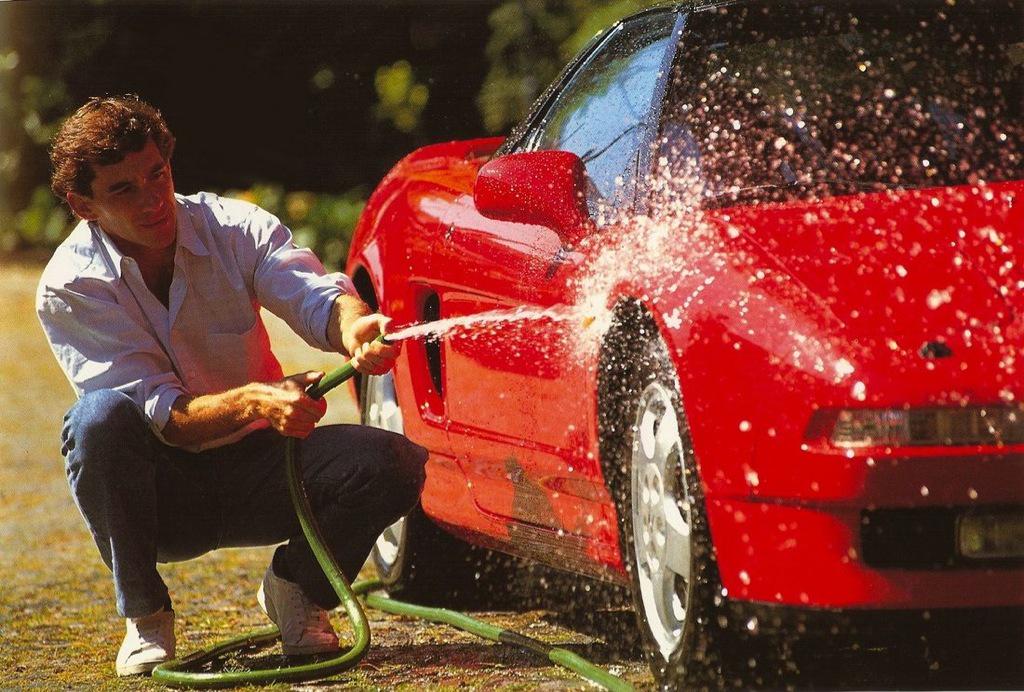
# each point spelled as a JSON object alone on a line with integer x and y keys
{"x": 732, "y": 320}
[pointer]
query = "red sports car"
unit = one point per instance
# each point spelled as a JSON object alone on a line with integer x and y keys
{"x": 736, "y": 318}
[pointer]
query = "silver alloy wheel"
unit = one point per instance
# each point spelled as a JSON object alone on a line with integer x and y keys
{"x": 380, "y": 410}
{"x": 661, "y": 518}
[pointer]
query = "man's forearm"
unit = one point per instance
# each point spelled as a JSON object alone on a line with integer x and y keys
{"x": 346, "y": 310}
{"x": 195, "y": 420}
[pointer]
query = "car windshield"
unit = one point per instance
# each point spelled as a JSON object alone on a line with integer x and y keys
{"x": 776, "y": 103}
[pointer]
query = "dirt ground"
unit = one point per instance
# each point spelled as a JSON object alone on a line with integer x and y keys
{"x": 58, "y": 626}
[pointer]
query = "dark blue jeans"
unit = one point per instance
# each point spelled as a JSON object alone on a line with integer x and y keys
{"x": 146, "y": 502}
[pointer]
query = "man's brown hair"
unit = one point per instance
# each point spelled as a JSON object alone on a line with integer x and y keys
{"x": 100, "y": 133}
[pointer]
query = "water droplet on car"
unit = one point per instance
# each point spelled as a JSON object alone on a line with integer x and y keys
{"x": 937, "y": 298}
{"x": 859, "y": 391}
{"x": 752, "y": 478}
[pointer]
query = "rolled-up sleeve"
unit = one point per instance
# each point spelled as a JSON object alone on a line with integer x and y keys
{"x": 290, "y": 281}
{"x": 99, "y": 346}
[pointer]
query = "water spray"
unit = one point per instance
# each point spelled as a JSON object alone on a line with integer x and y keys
{"x": 183, "y": 672}
{"x": 436, "y": 328}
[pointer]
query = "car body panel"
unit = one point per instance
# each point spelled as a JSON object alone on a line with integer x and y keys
{"x": 522, "y": 440}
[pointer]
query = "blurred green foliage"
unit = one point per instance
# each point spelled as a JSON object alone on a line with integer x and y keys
{"x": 42, "y": 224}
{"x": 321, "y": 222}
{"x": 400, "y": 98}
{"x": 531, "y": 40}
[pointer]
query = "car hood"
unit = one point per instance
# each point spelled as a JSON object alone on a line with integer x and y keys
{"x": 920, "y": 265}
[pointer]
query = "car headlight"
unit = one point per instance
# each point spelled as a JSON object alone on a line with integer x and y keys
{"x": 919, "y": 427}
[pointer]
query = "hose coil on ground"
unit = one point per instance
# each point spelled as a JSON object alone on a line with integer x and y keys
{"x": 181, "y": 672}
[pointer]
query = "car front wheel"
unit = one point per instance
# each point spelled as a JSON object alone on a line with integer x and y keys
{"x": 661, "y": 516}
{"x": 663, "y": 534}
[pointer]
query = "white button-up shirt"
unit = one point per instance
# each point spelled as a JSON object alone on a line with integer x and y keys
{"x": 108, "y": 331}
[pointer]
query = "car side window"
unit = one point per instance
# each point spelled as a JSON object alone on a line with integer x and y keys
{"x": 606, "y": 114}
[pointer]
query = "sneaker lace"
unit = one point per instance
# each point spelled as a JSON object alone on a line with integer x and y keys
{"x": 151, "y": 629}
{"x": 313, "y": 616}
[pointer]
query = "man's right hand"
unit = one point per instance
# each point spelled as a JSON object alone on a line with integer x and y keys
{"x": 286, "y": 405}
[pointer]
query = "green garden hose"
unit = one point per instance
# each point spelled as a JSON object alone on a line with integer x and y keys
{"x": 181, "y": 672}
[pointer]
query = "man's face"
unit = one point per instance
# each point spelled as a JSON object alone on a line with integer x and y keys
{"x": 133, "y": 200}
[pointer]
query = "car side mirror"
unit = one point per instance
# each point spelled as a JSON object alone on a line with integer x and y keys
{"x": 545, "y": 188}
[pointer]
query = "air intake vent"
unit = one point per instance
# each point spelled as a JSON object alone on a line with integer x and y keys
{"x": 432, "y": 313}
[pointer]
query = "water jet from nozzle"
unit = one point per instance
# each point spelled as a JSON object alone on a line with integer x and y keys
{"x": 443, "y": 327}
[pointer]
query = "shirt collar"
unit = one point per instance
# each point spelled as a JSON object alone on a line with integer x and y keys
{"x": 114, "y": 256}
{"x": 186, "y": 237}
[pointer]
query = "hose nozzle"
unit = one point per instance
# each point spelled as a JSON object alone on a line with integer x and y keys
{"x": 335, "y": 377}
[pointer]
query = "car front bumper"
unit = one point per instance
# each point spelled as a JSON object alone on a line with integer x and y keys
{"x": 843, "y": 556}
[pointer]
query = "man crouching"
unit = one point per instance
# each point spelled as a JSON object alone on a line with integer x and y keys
{"x": 176, "y": 444}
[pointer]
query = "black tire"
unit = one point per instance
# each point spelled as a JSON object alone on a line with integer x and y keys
{"x": 635, "y": 361}
{"x": 434, "y": 568}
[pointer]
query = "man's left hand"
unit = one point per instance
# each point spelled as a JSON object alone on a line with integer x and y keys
{"x": 370, "y": 357}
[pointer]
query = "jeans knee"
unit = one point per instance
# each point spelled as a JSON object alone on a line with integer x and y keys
{"x": 98, "y": 425}
{"x": 407, "y": 472}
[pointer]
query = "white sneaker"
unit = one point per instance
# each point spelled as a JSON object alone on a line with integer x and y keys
{"x": 148, "y": 642}
{"x": 305, "y": 627}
